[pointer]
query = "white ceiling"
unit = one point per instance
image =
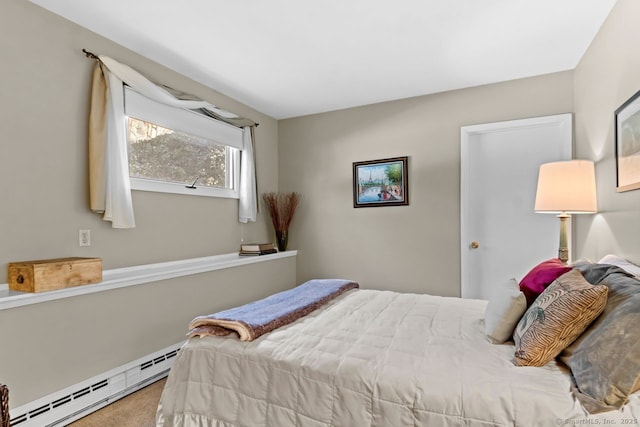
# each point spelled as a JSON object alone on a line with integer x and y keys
{"x": 289, "y": 58}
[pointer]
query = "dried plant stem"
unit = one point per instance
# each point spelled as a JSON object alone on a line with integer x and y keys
{"x": 281, "y": 207}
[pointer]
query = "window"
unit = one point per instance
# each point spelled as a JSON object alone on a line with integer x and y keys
{"x": 174, "y": 150}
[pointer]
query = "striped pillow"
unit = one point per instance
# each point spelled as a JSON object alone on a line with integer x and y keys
{"x": 556, "y": 318}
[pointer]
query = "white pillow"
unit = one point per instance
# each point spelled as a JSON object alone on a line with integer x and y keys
{"x": 622, "y": 263}
{"x": 506, "y": 306}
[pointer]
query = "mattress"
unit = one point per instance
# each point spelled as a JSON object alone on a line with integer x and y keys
{"x": 372, "y": 358}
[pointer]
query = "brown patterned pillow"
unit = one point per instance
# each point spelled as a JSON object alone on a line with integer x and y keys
{"x": 556, "y": 318}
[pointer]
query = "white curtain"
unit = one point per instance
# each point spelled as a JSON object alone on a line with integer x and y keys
{"x": 118, "y": 204}
{"x": 141, "y": 84}
{"x": 248, "y": 206}
{"x": 109, "y": 166}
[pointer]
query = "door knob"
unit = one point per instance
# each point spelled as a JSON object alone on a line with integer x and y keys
{"x": 475, "y": 245}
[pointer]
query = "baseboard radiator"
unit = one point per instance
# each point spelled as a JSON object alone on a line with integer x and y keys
{"x": 72, "y": 403}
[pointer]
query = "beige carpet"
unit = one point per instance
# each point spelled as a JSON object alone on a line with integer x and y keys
{"x": 135, "y": 410}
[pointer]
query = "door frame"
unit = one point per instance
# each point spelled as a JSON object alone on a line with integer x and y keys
{"x": 467, "y": 133}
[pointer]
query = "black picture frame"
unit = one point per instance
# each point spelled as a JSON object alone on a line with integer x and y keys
{"x": 627, "y": 144}
{"x": 383, "y": 182}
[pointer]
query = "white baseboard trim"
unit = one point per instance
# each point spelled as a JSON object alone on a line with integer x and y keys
{"x": 137, "y": 275}
{"x": 74, "y": 402}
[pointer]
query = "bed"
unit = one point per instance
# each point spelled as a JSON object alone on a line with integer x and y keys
{"x": 382, "y": 358}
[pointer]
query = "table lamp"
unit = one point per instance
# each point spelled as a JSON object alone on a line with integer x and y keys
{"x": 566, "y": 188}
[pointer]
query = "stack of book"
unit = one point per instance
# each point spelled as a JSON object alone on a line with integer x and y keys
{"x": 251, "y": 249}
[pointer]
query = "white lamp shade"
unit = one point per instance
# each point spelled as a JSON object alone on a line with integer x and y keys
{"x": 567, "y": 187}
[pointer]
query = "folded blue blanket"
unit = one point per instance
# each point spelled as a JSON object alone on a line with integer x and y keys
{"x": 252, "y": 320}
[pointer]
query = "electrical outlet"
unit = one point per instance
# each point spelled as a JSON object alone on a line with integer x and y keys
{"x": 84, "y": 237}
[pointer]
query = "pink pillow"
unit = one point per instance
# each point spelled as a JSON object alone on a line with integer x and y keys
{"x": 541, "y": 276}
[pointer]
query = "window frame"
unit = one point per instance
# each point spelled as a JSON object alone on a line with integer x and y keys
{"x": 191, "y": 122}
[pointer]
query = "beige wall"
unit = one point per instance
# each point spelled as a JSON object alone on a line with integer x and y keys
{"x": 413, "y": 248}
{"x": 45, "y": 80}
{"x": 49, "y": 346}
{"x": 608, "y": 75}
{"x": 44, "y": 95}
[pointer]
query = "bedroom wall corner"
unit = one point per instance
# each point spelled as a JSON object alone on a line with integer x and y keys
{"x": 413, "y": 248}
{"x": 607, "y": 75}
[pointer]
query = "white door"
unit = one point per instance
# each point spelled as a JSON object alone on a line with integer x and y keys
{"x": 501, "y": 235}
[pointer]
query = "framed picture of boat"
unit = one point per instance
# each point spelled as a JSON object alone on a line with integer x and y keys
{"x": 627, "y": 139}
{"x": 381, "y": 182}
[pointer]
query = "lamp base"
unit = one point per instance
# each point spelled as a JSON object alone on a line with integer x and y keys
{"x": 563, "y": 254}
{"x": 563, "y": 250}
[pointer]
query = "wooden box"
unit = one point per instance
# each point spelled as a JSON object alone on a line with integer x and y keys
{"x": 51, "y": 274}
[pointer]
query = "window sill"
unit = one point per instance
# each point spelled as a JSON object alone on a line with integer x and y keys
{"x": 140, "y": 184}
{"x": 136, "y": 275}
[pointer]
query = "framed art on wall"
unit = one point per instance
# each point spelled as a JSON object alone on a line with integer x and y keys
{"x": 381, "y": 182}
{"x": 627, "y": 140}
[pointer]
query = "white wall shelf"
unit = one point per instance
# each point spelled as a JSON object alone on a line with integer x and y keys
{"x": 137, "y": 275}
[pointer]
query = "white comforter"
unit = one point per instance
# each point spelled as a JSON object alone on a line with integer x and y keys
{"x": 372, "y": 358}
